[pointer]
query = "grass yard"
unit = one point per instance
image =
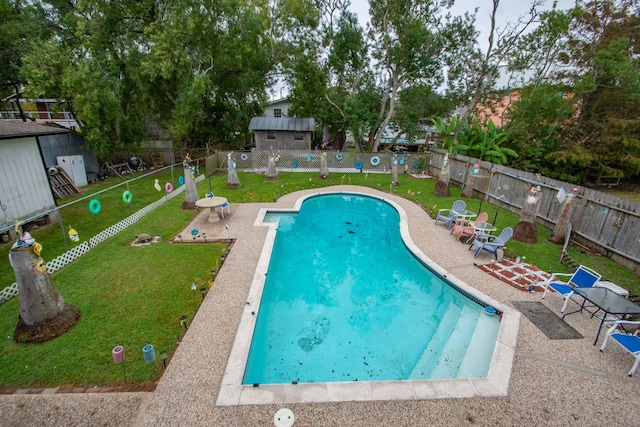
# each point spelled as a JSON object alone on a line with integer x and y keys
{"x": 134, "y": 296}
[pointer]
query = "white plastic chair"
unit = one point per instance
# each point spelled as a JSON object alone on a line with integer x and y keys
{"x": 630, "y": 342}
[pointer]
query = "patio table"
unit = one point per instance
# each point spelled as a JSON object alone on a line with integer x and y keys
{"x": 465, "y": 214}
{"x": 212, "y": 203}
{"x": 481, "y": 228}
{"x": 606, "y": 300}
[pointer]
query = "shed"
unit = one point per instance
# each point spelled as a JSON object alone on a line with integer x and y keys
{"x": 285, "y": 133}
{"x": 25, "y": 191}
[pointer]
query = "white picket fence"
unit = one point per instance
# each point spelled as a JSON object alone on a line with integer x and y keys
{"x": 72, "y": 254}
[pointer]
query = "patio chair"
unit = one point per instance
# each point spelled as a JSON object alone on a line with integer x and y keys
{"x": 463, "y": 227}
{"x": 582, "y": 277}
{"x": 448, "y": 215}
{"x": 630, "y": 342}
{"x": 491, "y": 244}
{"x": 222, "y": 207}
{"x": 226, "y": 205}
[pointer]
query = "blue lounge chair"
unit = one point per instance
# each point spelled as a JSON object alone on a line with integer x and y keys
{"x": 582, "y": 277}
{"x": 630, "y": 342}
{"x": 448, "y": 215}
{"x": 491, "y": 244}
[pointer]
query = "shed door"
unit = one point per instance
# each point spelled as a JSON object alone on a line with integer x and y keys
{"x": 24, "y": 184}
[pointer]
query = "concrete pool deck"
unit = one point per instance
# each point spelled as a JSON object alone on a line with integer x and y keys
{"x": 552, "y": 382}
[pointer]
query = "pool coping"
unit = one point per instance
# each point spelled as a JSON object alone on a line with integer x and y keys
{"x": 233, "y": 392}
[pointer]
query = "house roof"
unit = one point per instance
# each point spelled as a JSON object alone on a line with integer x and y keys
{"x": 283, "y": 123}
{"x": 18, "y": 128}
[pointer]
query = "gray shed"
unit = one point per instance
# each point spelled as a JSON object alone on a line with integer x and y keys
{"x": 25, "y": 192}
{"x": 283, "y": 133}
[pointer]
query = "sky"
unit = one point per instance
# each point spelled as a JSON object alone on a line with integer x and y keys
{"x": 508, "y": 11}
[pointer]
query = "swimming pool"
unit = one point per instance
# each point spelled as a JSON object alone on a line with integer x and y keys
{"x": 345, "y": 300}
{"x": 413, "y": 223}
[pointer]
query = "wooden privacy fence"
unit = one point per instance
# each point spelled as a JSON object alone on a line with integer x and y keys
{"x": 600, "y": 221}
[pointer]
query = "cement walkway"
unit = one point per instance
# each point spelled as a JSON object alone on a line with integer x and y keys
{"x": 553, "y": 382}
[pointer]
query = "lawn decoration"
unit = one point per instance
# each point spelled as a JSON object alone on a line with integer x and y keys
{"x": 94, "y": 206}
{"x": 127, "y": 197}
{"x": 73, "y": 235}
{"x": 339, "y": 156}
{"x": 375, "y": 161}
{"x": 180, "y": 180}
{"x": 358, "y": 165}
{"x": 295, "y": 164}
{"x": 168, "y": 187}
{"x": 144, "y": 238}
{"x": 156, "y": 185}
{"x": 471, "y": 181}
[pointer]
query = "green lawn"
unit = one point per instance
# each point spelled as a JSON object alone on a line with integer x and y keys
{"x": 134, "y": 296}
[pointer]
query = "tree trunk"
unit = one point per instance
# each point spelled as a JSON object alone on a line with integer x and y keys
{"x": 324, "y": 167}
{"x": 394, "y": 170}
{"x": 190, "y": 194}
{"x": 340, "y": 140}
{"x": 22, "y": 116}
{"x": 326, "y": 136}
{"x": 442, "y": 186}
{"x": 272, "y": 172}
{"x": 564, "y": 219}
{"x": 526, "y": 231}
{"x": 232, "y": 175}
{"x": 471, "y": 182}
{"x": 43, "y": 312}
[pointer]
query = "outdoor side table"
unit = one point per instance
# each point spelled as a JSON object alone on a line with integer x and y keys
{"x": 606, "y": 300}
{"x": 610, "y": 285}
{"x": 465, "y": 214}
{"x": 212, "y": 203}
{"x": 481, "y": 228}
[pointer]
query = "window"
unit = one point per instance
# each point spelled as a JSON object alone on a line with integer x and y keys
{"x": 298, "y": 136}
{"x": 271, "y": 135}
{"x": 277, "y": 112}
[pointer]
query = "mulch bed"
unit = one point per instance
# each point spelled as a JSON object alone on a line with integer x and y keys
{"x": 520, "y": 275}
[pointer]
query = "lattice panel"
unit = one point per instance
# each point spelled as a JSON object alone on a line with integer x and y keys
{"x": 9, "y": 292}
{"x": 75, "y": 253}
{"x": 67, "y": 257}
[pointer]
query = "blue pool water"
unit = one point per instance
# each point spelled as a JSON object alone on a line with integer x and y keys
{"x": 345, "y": 300}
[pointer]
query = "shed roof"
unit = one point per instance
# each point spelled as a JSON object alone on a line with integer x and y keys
{"x": 283, "y": 123}
{"x": 18, "y": 128}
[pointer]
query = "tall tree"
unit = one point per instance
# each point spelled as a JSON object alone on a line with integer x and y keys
{"x": 604, "y": 75}
{"x": 20, "y": 22}
{"x": 407, "y": 46}
{"x": 474, "y": 72}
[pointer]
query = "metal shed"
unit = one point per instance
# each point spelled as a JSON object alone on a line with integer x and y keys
{"x": 283, "y": 133}
{"x": 25, "y": 192}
